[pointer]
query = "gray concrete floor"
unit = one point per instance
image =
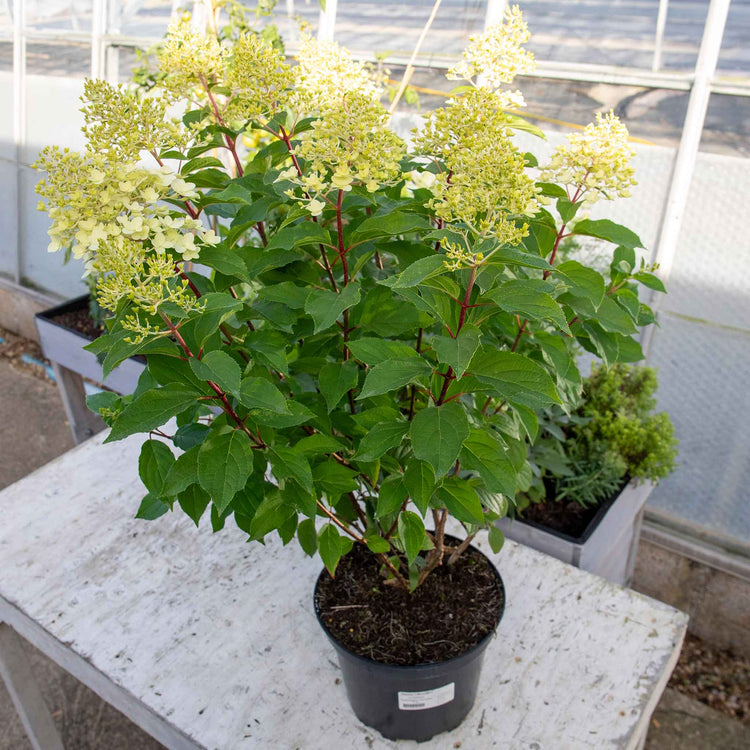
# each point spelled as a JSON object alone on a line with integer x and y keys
{"x": 34, "y": 432}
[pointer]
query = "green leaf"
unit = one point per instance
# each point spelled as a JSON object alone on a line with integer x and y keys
{"x": 335, "y": 379}
{"x": 151, "y": 410}
{"x": 271, "y": 514}
{"x": 514, "y": 378}
{"x": 511, "y": 256}
{"x": 412, "y": 534}
{"x": 224, "y": 463}
{"x": 290, "y": 463}
{"x": 183, "y": 473}
{"x": 419, "y": 271}
{"x": 259, "y": 393}
{"x": 332, "y": 547}
{"x": 604, "y": 229}
{"x": 194, "y": 500}
{"x": 220, "y": 368}
{"x": 461, "y": 500}
{"x": 567, "y": 210}
{"x": 395, "y": 222}
{"x": 388, "y": 376}
{"x": 373, "y": 351}
{"x": 376, "y": 543}
{"x": 190, "y": 435}
{"x": 650, "y": 281}
{"x": 583, "y": 281}
{"x": 307, "y": 535}
{"x": 391, "y": 497}
{"x": 325, "y": 307}
{"x": 314, "y": 445}
{"x": 380, "y": 439}
{"x": 437, "y": 435}
{"x": 457, "y": 352}
{"x": 419, "y": 479}
{"x": 225, "y": 261}
{"x": 485, "y": 453}
{"x": 151, "y": 508}
{"x": 270, "y": 348}
{"x": 623, "y": 260}
{"x": 611, "y": 317}
{"x": 551, "y": 190}
{"x": 530, "y": 299}
{"x": 286, "y": 293}
{"x": 333, "y": 479}
{"x": 496, "y": 538}
{"x": 297, "y": 235}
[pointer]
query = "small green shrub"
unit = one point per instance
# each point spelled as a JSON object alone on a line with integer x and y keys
{"x": 613, "y": 434}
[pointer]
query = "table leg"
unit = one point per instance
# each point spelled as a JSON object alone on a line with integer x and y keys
{"x": 83, "y": 423}
{"x": 16, "y": 672}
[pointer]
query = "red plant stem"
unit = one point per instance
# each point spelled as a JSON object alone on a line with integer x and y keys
{"x": 227, "y": 407}
{"x": 340, "y": 230}
{"x": 188, "y": 205}
{"x": 450, "y": 375}
{"x": 228, "y": 140}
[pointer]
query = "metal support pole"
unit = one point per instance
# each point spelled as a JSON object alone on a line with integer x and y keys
{"x": 661, "y": 22}
{"x": 98, "y": 29}
{"x": 495, "y": 12}
{"x": 687, "y": 153}
{"x": 327, "y": 21}
{"x": 19, "y": 121}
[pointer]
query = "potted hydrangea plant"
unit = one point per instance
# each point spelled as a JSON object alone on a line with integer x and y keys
{"x": 377, "y": 329}
{"x": 593, "y": 470}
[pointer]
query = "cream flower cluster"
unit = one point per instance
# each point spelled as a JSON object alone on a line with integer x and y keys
{"x": 497, "y": 56}
{"x": 128, "y": 272}
{"x": 259, "y": 79}
{"x": 483, "y": 183}
{"x": 120, "y": 123}
{"x": 595, "y": 163}
{"x": 459, "y": 257}
{"x": 92, "y": 200}
{"x": 349, "y": 144}
{"x": 325, "y": 73}
{"x": 189, "y": 57}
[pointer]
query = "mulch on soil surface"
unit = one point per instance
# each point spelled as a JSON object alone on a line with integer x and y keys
{"x": 717, "y": 678}
{"x": 80, "y": 320}
{"x": 391, "y": 626}
{"x": 14, "y": 347}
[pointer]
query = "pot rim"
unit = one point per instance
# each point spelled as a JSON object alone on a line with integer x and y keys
{"x": 479, "y": 647}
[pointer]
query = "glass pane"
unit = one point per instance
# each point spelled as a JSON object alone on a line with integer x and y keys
{"x": 703, "y": 353}
{"x": 58, "y": 59}
{"x": 394, "y": 27}
{"x": 59, "y": 15}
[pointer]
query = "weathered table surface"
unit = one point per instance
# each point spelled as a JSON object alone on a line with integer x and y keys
{"x": 207, "y": 641}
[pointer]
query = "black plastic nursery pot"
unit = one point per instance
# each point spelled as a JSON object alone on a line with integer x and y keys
{"x": 412, "y": 702}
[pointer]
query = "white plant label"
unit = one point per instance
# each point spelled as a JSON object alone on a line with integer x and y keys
{"x": 426, "y": 698}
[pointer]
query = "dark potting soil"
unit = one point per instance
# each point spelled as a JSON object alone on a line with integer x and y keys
{"x": 449, "y": 614}
{"x": 565, "y": 516}
{"x": 81, "y": 322}
{"x": 569, "y": 518}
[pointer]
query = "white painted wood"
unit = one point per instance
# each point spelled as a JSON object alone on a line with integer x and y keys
{"x": 611, "y": 549}
{"x": 16, "y": 672}
{"x": 214, "y": 640}
{"x": 66, "y": 347}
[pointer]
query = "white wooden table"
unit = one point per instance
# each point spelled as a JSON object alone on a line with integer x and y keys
{"x": 206, "y": 641}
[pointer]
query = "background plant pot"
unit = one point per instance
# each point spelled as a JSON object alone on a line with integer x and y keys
{"x": 64, "y": 346}
{"x": 609, "y": 544}
{"x": 412, "y": 702}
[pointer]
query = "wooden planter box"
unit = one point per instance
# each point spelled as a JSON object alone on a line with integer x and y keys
{"x": 63, "y": 346}
{"x": 609, "y": 545}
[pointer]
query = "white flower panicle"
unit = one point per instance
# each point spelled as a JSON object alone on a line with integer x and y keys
{"x": 496, "y": 56}
{"x": 595, "y": 163}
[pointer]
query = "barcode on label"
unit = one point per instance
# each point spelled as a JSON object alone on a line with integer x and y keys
{"x": 426, "y": 698}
